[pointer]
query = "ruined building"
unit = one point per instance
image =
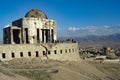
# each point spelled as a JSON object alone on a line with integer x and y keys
{"x": 35, "y": 36}
{"x": 35, "y": 27}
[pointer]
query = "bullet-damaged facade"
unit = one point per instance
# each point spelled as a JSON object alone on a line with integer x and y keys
{"x": 33, "y": 28}
{"x": 35, "y": 36}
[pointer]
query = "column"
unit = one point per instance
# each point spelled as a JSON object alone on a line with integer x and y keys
{"x": 44, "y": 36}
{"x": 55, "y": 34}
{"x": 41, "y": 35}
{"x": 50, "y": 36}
{"x": 11, "y": 35}
{"x": 24, "y": 36}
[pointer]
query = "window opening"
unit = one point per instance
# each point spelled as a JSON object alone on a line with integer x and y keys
{"x": 49, "y": 52}
{"x": 61, "y": 51}
{"x": 55, "y": 52}
{"x": 29, "y": 53}
{"x": 13, "y": 55}
{"x": 21, "y": 54}
{"x": 3, "y": 55}
{"x": 37, "y": 55}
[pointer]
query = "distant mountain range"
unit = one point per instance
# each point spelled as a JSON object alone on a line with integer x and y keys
{"x": 93, "y": 39}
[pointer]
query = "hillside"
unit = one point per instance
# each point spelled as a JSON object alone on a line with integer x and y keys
{"x": 94, "y": 40}
{"x": 36, "y": 69}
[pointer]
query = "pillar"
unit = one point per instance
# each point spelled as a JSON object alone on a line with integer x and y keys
{"x": 11, "y": 35}
{"x": 50, "y": 36}
{"x": 44, "y": 36}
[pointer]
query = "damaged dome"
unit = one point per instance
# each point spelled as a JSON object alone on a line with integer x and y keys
{"x": 36, "y": 14}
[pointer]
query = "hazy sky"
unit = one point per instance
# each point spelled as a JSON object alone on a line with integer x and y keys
{"x": 74, "y": 17}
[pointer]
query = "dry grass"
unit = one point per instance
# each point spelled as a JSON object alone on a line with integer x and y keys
{"x": 36, "y": 69}
{"x": 109, "y": 68}
{"x": 35, "y": 74}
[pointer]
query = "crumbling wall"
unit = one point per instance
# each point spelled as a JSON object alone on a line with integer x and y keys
{"x": 59, "y": 51}
{"x": 6, "y": 36}
{"x": 17, "y": 23}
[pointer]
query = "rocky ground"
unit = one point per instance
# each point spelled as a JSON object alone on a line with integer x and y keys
{"x": 37, "y": 69}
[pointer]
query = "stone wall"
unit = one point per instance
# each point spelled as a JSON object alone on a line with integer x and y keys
{"x": 56, "y": 51}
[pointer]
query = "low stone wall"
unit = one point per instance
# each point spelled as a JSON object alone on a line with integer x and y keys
{"x": 56, "y": 51}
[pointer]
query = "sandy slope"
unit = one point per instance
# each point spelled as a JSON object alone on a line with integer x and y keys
{"x": 80, "y": 71}
{"x": 67, "y": 70}
{"x": 6, "y": 74}
{"x": 15, "y": 77}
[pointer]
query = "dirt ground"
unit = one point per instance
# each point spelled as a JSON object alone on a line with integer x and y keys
{"x": 37, "y": 69}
